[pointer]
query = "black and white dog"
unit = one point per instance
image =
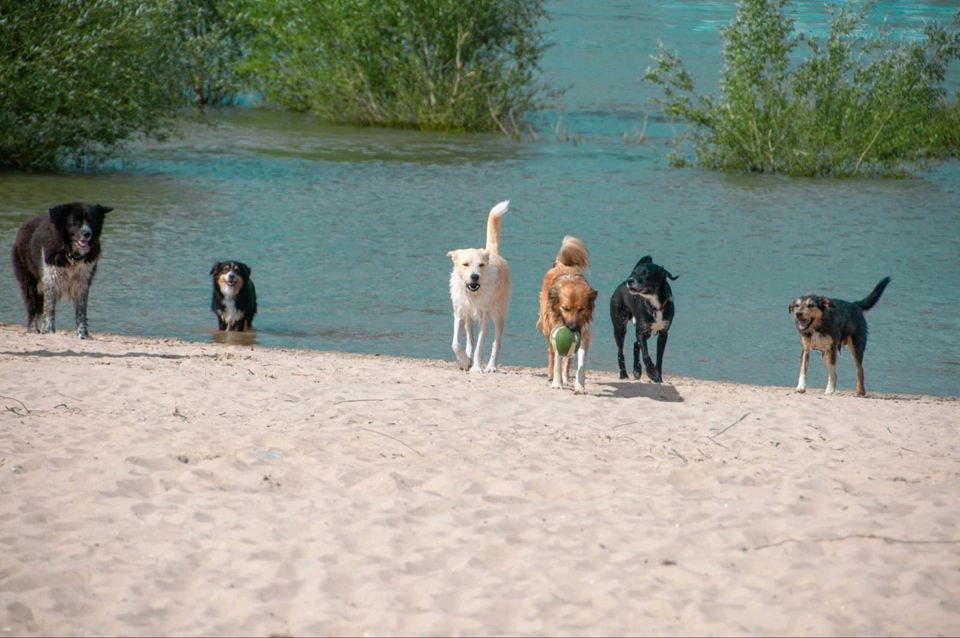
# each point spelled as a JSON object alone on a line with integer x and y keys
{"x": 646, "y": 298}
{"x": 54, "y": 256}
{"x": 234, "y": 296}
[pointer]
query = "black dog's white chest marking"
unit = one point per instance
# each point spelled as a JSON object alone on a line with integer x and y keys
{"x": 659, "y": 324}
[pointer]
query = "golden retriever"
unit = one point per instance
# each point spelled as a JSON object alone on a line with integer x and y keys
{"x": 567, "y": 299}
{"x": 480, "y": 291}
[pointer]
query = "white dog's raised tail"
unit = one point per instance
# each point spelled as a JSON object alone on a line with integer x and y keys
{"x": 493, "y": 226}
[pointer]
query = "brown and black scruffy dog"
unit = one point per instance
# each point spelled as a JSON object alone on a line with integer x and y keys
{"x": 234, "y": 296}
{"x": 646, "y": 299}
{"x": 55, "y": 255}
{"x": 827, "y": 325}
{"x": 567, "y": 299}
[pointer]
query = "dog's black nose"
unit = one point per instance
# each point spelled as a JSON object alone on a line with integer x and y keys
{"x": 86, "y": 234}
{"x": 474, "y": 276}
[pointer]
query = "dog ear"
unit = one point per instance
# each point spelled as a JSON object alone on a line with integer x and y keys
{"x": 646, "y": 260}
{"x": 672, "y": 278}
{"x": 793, "y": 304}
{"x": 246, "y": 271}
{"x": 453, "y": 255}
{"x": 103, "y": 210}
{"x": 216, "y": 267}
{"x": 593, "y": 296}
{"x": 825, "y": 303}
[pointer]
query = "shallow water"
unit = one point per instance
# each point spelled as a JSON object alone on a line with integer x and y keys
{"x": 347, "y": 229}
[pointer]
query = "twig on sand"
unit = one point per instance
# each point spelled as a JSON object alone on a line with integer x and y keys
{"x": 394, "y": 438}
{"x": 682, "y": 457}
{"x": 15, "y": 409}
{"x": 728, "y": 427}
{"x": 878, "y": 537}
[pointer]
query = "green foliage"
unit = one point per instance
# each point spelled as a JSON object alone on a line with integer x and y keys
{"x": 428, "y": 64}
{"x": 211, "y": 41}
{"x": 81, "y": 77}
{"x": 853, "y": 105}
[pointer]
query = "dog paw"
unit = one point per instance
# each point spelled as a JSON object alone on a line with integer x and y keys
{"x": 579, "y": 389}
{"x": 490, "y": 369}
{"x": 476, "y": 370}
{"x": 556, "y": 386}
{"x": 623, "y": 374}
{"x": 801, "y": 390}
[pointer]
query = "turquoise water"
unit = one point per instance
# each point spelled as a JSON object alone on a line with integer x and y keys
{"x": 347, "y": 229}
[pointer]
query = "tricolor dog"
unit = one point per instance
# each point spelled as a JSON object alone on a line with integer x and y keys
{"x": 827, "y": 324}
{"x": 234, "y": 296}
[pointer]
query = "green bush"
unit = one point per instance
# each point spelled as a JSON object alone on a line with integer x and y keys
{"x": 853, "y": 105}
{"x": 81, "y": 78}
{"x": 428, "y": 64}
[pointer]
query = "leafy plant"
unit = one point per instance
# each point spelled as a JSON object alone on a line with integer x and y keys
{"x": 853, "y": 105}
{"x": 428, "y": 64}
{"x": 79, "y": 79}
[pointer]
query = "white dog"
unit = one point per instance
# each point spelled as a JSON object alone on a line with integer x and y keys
{"x": 480, "y": 291}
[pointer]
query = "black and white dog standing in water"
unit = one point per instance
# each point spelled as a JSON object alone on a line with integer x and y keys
{"x": 234, "y": 296}
{"x": 54, "y": 256}
{"x": 646, "y": 298}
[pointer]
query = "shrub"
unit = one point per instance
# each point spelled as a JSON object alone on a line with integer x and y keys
{"x": 428, "y": 64}
{"x": 79, "y": 79}
{"x": 854, "y": 105}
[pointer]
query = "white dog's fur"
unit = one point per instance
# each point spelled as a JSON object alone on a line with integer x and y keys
{"x": 480, "y": 291}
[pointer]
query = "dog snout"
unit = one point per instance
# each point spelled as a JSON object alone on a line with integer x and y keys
{"x": 474, "y": 276}
{"x": 86, "y": 233}
{"x": 573, "y": 326}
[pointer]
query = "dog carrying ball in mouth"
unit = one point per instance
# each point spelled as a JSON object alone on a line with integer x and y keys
{"x": 827, "y": 324}
{"x": 56, "y": 255}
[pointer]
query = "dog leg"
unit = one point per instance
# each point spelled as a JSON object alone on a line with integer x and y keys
{"x": 637, "y": 369}
{"x": 857, "y": 359}
{"x": 554, "y": 371}
{"x": 581, "y": 370}
{"x": 50, "y": 295}
{"x": 804, "y": 362}
{"x": 830, "y": 358}
{"x": 478, "y": 347}
{"x": 462, "y": 359}
{"x": 80, "y": 312}
{"x": 620, "y": 334}
{"x": 647, "y": 361}
{"x": 661, "y": 348}
{"x": 495, "y": 348}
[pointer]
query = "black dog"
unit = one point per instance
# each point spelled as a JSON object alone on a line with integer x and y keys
{"x": 54, "y": 256}
{"x": 234, "y": 296}
{"x": 646, "y": 298}
{"x": 826, "y": 325}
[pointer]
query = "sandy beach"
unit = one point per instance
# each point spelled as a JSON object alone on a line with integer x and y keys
{"x": 161, "y": 487}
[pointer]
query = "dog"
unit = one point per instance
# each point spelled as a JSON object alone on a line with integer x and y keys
{"x": 55, "y": 256}
{"x": 827, "y": 325}
{"x": 567, "y": 299}
{"x": 234, "y": 296}
{"x": 647, "y": 299}
{"x": 480, "y": 291}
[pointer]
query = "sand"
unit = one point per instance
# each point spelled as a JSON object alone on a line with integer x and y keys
{"x": 161, "y": 487}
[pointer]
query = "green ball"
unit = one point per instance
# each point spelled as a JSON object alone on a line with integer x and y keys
{"x": 564, "y": 341}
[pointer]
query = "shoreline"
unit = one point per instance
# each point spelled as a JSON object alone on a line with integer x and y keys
{"x": 160, "y": 486}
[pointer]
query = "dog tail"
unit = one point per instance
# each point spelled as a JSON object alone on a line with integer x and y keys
{"x": 870, "y": 300}
{"x": 573, "y": 253}
{"x": 493, "y": 227}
